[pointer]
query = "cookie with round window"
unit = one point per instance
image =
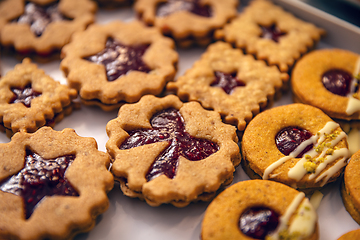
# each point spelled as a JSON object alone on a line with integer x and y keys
{"x": 119, "y": 62}
{"x": 53, "y": 185}
{"x": 168, "y": 152}
{"x": 43, "y": 26}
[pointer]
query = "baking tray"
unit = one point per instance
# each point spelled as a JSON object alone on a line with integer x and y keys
{"x": 132, "y": 219}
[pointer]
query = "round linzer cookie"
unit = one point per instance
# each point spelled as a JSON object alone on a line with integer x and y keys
{"x": 30, "y": 99}
{"x": 329, "y": 79}
{"x": 352, "y": 235}
{"x": 166, "y": 151}
{"x": 43, "y": 26}
{"x": 295, "y": 144}
{"x": 118, "y": 63}
{"x": 350, "y": 187}
{"x": 53, "y": 185}
{"x": 271, "y": 34}
{"x": 233, "y": 84}
{"x": 260, "y": 209}
{"x": 189, "y": 22}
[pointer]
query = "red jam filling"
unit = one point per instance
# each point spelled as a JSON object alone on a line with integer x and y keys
{"x": 38, "y": 17}
{"x": 24, "y": 95}
{"x": 193, "y": 6}
{"x": 119, "y": 59}
{"x": 271, "y": 32}
{"x": 289, "y": 138}
{"x": 258, "y": 222}
{"x": 227, "y": 81}
{"x": 39, "y": 178}
{"x": 338, "y": 82}
{"x": 169, "y": 126}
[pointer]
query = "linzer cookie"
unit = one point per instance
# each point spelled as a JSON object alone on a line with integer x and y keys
{"x": 233, "y": 84}
{"x": 350, "y": 187}
{"x": 260, "y": 209}
{"x": 329, "y": 79}
{"x": 166, "y": 151}
{"x": 271, "y": 34}
{"x": 189, "y": 22}
{"x": 295, "y": 144}
{"x": 53, "y": 185}
{"x": 43, "y": 26}
{"x": 30, "y": 99}
{"x": 118, "y": 63}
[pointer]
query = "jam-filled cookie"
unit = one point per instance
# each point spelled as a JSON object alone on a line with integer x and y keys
{"x": 329, "y": 79}
{"x": 189, "y": 22}
{"x": 271, "y": 34}
{"x": 233, "y": 84}
{"x": 43, "y": 26}
{"x": 30, "y": 99}
{"x": 118, "y": 62}
{"x": 295, "y": 144}
{"x": 350, "y": 187}
{"x": 166, "y": 151}
{"x": 53, "y": 185}
{"x": 260, "y": 209}
{"x": 354, "y": 234}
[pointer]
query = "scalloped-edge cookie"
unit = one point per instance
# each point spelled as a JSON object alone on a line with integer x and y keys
{"x": 53, "y": 185}
{"x": 295, "y": 144}
{"x": 43, "y": 35}
{"x": 271, "y": 34}
{"x": 121, "y": 79}
{"x": 30, "y": 99}
{"x": 166, "y": 151}
{"x": 260, "y": 209}
{"x": 188, "y": 22}
{"x": 329, "y": 79}
{"x": 233, "y": 84}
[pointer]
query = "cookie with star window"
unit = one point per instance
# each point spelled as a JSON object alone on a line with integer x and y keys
{"x": 53, "y": 185}
{"x": 30, "y": 99}
{"x": 118, "y": 62}
{"x": 166, "y": 151}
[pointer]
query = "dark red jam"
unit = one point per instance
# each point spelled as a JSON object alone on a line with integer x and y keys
{"x": 227, "y": 81}
{"x": 338, "y": 82}
{"x": 24, "y": 95}
{"x": 193, "y": 6}
{"x": 39, "y": 178}
{"x": 119, "y": 59}
{"x": 38, "y": 17}
{"x": 272, "y": 32}
{"x": 169, "y": 126}
{"x": 289, "y": 138}
{"x": 258, "y": 222}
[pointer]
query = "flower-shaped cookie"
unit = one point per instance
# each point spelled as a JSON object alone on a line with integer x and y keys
{"x": 187, "y": 21}
{"x": 53, "y": 185}
{"x": 270, "y": 33}
{"x": 43, "y": 26}
{"x": 30, "y": 99}
{"x": 166, "y": 151}
{"x": 231, "y": 83}
{"x": 118, "y": 62}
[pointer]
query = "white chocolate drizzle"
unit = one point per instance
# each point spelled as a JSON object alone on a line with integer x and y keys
{"x": 323, "y": 158}
{"x": 353, "y": 103}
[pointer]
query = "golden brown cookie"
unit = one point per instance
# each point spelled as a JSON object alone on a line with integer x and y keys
{"x": 350, "y": 187}
{"x": 53, "y": 185}
{"x": 328, "y": 79}
{"x": 187, "y": 21}
{"x": 271, "y": 34}
{"x": 352, "y": 235}
{"x": 295, "y": 144}
{"x": 166, "y": 151}
{"x": 260, "y": 209}
{"x": 233, "y": 84}
{"x": 118, "y": 63}
{"x": 25, "y": 26}
{"x": 30, "y": 99}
